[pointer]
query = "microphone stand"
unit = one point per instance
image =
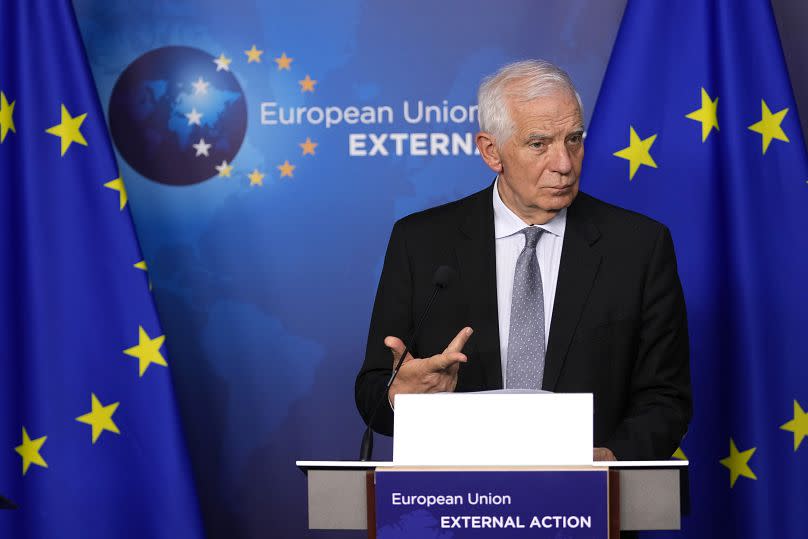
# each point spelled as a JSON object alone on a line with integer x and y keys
{"x": 366, "y": 449}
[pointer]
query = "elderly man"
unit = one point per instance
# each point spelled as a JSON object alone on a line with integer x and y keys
{"x": 554, "y": 289}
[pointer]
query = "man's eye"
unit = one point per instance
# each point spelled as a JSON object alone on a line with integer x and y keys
{"x": 575, "y": 139}
{"x": 537, "y": 145}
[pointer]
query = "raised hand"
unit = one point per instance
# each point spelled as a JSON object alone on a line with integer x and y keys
{"x": 428, "y": 375}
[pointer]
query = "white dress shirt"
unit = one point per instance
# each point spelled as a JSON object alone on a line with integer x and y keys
{"x": 509, "y": 242}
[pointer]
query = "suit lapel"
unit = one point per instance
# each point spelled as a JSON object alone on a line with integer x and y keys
{"x": 576, "y": 274}
{"x": 476, "y": 257}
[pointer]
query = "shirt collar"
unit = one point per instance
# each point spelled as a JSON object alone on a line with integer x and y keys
{"x": 507, "y": 223}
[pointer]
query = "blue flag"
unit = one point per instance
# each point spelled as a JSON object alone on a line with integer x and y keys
{"x": 90, "y": 440}
{"x": 696, "y": 126}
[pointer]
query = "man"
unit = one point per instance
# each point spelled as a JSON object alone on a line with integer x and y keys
{"x": 553, "y": 289}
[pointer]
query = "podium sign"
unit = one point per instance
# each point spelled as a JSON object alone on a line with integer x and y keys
{"x": 468, "y": 503}
{"x": 511, "y": 428}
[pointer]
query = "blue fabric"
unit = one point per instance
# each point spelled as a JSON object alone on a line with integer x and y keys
{"x": 71, "y": 303}
{"x": 738, "y": 217}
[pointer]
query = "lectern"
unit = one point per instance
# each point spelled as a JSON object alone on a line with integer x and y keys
{"x": 651, "y": 495}
{"x": 483, "y": 474}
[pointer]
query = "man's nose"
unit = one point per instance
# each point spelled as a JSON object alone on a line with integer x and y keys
{"x": 560, "y": 160}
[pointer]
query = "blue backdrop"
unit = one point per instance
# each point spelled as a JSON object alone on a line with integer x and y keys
{"x": 265, "y": 290}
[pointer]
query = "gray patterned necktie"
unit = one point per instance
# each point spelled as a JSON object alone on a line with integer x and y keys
{"x": 525, "y": 366}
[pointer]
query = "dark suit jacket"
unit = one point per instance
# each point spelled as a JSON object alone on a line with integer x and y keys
{"x": 618, "y": 329}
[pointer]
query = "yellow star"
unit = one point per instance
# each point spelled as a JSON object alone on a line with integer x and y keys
{"x": 679, "y": 454}
{"x": 68, "y": 130}
{"x": 100, "y": 417}
{"x": 286, "y": 169}
{"x": 224, "y": 169}
{"x": 308, "y": 146}
{"x": 253, "y": 55}
{"x": 147, "y": 350}
{"x": 6, "y": 117}
{"x": 798, "y": 425}
{"x": 307, "y": 84}
{"x": 29, "y": 451}
{"x": 117, "y": 185}
{"x": 738, "y": 463}
{"x": 284, "y": 62}
{"x": 142, "y": 266}
{"x": 769, "y": 125}
{"x": 637, "y": 152}
{"x": 256, "y": 178}
{"x": 707, "y": 114}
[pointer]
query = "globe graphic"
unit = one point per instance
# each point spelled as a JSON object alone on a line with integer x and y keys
{"x": 174, "y": 117}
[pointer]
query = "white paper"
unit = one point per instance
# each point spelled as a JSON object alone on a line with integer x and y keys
{"x": 499, "y": 428}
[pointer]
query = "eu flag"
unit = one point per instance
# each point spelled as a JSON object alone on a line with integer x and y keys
{"x": 696, "y": 126}
{"x": 90, "y": 440}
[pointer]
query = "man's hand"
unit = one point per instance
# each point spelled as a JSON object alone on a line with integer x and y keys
{"x": 429, "y": 375}
{"x": 600, "y": 454}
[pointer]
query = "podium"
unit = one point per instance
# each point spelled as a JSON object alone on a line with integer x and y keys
{"x": 507, "y": 464}
{"x": 649, "y": 495}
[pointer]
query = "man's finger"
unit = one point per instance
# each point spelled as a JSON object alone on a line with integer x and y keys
{"x": 459, "y": 341}
{"x": 600, "y": 454}
{"x": 443, "y": 361}
{"x": 397, "y": 347}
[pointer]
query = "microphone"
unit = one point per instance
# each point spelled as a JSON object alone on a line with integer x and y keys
{"x": 440, "y": 280}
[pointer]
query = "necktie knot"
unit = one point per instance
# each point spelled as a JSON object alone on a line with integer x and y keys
{"x": 532, "y": 234}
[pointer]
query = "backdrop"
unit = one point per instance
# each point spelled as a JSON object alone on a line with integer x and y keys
{"x": 267, "y": 148}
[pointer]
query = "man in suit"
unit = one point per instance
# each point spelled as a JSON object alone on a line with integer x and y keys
{"x": 552, "y": 289}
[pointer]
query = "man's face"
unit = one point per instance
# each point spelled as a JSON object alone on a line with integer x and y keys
{"x": 541, "y": 162}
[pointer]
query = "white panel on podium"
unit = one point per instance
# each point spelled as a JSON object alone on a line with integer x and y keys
{"x": 493, "y": 428}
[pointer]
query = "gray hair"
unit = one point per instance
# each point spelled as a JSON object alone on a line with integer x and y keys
{"x": 524, "y": 81}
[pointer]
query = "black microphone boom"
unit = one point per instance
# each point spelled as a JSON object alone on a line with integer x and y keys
{"x": 441, "y": 280}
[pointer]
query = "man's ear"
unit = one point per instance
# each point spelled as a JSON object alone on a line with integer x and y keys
{"x": 489, "y": 151}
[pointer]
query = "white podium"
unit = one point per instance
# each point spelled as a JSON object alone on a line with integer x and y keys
{"x": 499, "y": 431}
